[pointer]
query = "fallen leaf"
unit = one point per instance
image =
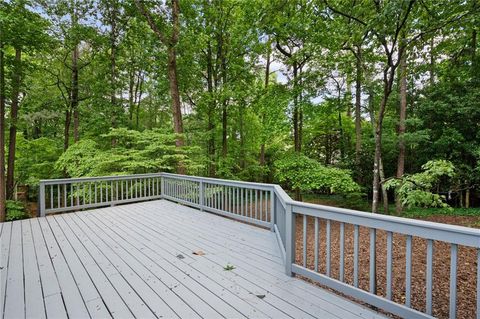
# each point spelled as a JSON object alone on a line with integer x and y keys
{"x": 199, "y": 253}
{"x": 261, "y": 296}
{"x": 180, "y": 256}
{"x": 229, "y": 267}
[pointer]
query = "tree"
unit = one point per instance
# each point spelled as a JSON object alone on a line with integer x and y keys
{"x": 170, "y": 40}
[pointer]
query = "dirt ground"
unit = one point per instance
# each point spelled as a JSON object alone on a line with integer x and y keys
{"x": 466, "y": 264}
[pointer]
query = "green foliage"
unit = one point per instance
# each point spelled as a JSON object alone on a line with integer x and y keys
{"x": 35, "y": 159}
{"x": 124, "y": 151}
{"x": 15, "y": 211}
{"x": 302, "y": 173}
{"x": 416, "y": 190}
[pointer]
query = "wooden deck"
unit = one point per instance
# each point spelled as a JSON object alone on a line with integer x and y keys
{"x": 137, "y": 260}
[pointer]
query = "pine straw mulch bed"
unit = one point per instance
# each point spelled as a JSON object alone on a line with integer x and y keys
{"x": 466, "y": 264}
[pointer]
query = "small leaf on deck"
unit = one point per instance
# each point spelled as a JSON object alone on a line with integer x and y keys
{"x": 229, "y": 267}
{"x": 180, "y": 256}
{"x": 199, "y": 253}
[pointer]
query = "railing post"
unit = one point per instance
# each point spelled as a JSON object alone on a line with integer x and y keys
{"x": 41, "y": 200}
{"x": 273, "y": 210}
{"x": 162, "y": 186}
{"x": 200, "y": 200}
{"x": 289, "y": 239}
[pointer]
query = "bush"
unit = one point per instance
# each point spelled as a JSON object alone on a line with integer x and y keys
{"x": 15, "y": 211}
{"x": 300, "y": 172}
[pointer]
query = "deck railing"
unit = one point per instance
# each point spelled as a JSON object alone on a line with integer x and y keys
{"x": 321, "y": 259}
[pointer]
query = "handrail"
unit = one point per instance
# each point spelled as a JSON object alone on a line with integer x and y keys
{"x": 268, "y": 205}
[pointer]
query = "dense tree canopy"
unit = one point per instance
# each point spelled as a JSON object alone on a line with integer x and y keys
{"x": 329, "y": 96}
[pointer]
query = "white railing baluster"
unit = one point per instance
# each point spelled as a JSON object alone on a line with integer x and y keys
{"x": 429, "y": 277}
{"x": 304, "y": 240}
{"x": 316, "y": 243}
{"x": 453, "y": 281}
{"x": 389, "y": 264}
{"x": 478, "y": 283}
{"x": 342, "y": 245}
{"x": 355, "y": 255}
{"x": 408, "y": 272}
{"x": 373, "y": 261}
{"x": 328, "y": 247}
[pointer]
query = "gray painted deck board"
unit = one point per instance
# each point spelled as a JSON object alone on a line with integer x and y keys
{"x": 297, "y": 298}
{"x": 124, "y": 262}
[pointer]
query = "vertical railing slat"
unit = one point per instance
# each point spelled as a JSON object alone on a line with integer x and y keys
{"x": 389, "y": 264}
{"x": 328, "y": 247}
{"x": 355, "y": 255}
{"x": 453, "y": 281}
{"x": 316, "y": 243}
{"x": 342, "y": 245}
{"x": 429, "y": 277}
{"x": 408, "y": 272}
{"x": 304, "y": 240}
{"x": 373, "y": 259}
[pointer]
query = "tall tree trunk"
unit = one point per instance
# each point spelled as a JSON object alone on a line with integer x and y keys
{"x": 224, "y": 100}
{"x": 16, "y": 82}
{"x": 358, "y": 107}
{"x": 113, "y": 65}
{"x": 296, "y": 135}
{"x": 66, "y": 130}
{"x": 267, "y": 81}
{"x": 74, "y": 94}
{"x": 131, "y": 98}
{"x": 2, "y": 131}
{"x": 210, "y": 113}
{"x": 388, "y": 78}
{"x": 175, "y": 95}
{"x": 382, "y": 185}
{"x": 170, "y": 42}
{"x": 401, "y": 128}
{"x": 431, "y": 69}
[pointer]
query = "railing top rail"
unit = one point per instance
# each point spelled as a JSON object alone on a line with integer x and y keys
{"x": 443, "y": 232}
{"x": 264, "y": 186}
{"x": 96, "y": 178}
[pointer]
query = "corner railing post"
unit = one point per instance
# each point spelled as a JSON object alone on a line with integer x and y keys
{"x": 162, "y": 186}
{"x": 289, "y": 239}
{"x": 41, "y": 200}
{"x": 200, "y": 200}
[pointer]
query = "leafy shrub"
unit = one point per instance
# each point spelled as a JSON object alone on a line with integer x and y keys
{"x": 299, "y": 172}
{"x": 416, "y": 190}
{"x": 132, "y": 153}
{"x": 15, "y": 210}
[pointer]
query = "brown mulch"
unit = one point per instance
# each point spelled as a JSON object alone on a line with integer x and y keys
{"x": 466, "y": 264}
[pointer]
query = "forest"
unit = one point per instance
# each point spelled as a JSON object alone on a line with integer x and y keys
{"x": 373, "y": 105}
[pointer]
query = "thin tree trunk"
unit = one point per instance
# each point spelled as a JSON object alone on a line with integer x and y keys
{"x": 131, "y": 105}
{"x": 384, "y": 190}
{"x": 267, "y": 81}
{"x": 210, "y": 113}
{"x": 2, "y": 131}
{"x": 74, "y": 94}
{"x": 432, "y": 61}
{"x": 296, "y": 134}
{"x": 388, "y": 78}
{"x": 401, "y": 128}
{"x": 16, "y": 82}
{"x": 358, "y": 106}
{"x": 66, "y": 131}
{"x": 113, "y": 65}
